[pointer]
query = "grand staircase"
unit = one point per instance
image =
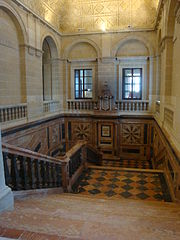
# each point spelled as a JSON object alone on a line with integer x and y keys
{"x": 104, "y": 200}
{"x": 69, "y": 216}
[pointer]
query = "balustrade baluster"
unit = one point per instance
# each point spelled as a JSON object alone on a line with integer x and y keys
{"x": 15, "y": 172}
{"x": 145, "y": 106}
{"x": 8, "y": 118}
{"x": 47, "y": 174}
{"x": 53, "y": 177}
{"x": 5, "y": 115}
{"x": 58, "y": 175}
{"x": 125, "y": 106}
{"x": 23, "y": 172}
{"x": 38, "y": 173}
{"x": 13, "y": 115}
{"x": 31, "y": 173}
{"x": 18, "y": 115}
{"x": 1, "y": 119}
{"x": 21, "y": 111}
{"x": 121, "y": 106}
{"x": 10, "y": 114}
{"x": 141, "y": 106}
{"x": 6, "y": 169}
{"x": 43, "y": 174}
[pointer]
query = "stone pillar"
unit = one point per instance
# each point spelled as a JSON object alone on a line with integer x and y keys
{"x": 152, "y": 83}
{"x": 6, "y": 195}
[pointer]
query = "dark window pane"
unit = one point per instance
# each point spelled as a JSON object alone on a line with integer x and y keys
{"x": 88, "y": 72}
{"x": 137, "y": 72}
{"x": 128, "y": 72}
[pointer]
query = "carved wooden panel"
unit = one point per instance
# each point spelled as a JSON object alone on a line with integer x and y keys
{"x": 81, "y": 131}
{"x": 54, "y": 135}
{"x": 132, "y": 133}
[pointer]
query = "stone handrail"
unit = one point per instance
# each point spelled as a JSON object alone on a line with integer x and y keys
{"x": 132, "y": 105}
{"x": 13, "y": 112}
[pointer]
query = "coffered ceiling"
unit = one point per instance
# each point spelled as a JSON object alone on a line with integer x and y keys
{"x": 72, "y": 16}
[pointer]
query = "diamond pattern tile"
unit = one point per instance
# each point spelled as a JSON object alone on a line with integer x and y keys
{"x": 110, "y": 193}
{"x": 130, "y": 163}
{"x": 126, "y": 194}
{"x": 142, "y": 196}
{"x": 122, "y": 184}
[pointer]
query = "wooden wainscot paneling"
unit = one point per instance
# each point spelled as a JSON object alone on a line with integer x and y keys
{"x": 34, "y": 139}
{"x": 165, "y": 158}
{"x": 135, "y": 139}
{"x": 78, "y": 129}
{"x": 107, "y": 138}
{"x": 43, "y": 137}
{"x": 57, "y": 144}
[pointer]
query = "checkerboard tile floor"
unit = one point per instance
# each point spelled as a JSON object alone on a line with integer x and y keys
{"x": 123, "y": 184}
{"x": 130, "y": 163}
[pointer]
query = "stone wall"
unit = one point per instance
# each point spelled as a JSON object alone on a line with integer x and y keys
{"x": 168, "y": 48}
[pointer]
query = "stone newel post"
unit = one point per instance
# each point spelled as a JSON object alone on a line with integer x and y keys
{"x": 6, "y": 195}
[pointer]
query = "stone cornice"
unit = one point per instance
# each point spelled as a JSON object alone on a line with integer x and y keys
{"x": 21, "y": 5}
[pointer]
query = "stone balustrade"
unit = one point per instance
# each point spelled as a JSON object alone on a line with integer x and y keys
{"x": 13, "y": 112}
{"x": 50, "y": 106}
{"x": 82, "y": 104}
{"x": 123, "y": 105}
{"x": 135, "y": 105}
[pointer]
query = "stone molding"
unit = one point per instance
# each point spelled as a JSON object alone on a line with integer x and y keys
{"x": 28, "y": 10}
{"x": 32, "y": 50}
{"x": 164, "y": 42}
{"x": 177, "y": 12}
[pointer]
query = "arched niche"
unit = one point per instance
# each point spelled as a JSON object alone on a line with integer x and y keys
{"x": 82, "y": 50}
{"x": 12, "y": 58}
{"x": 131, "y": 48}
{"x": 86, "y": 44}
{"x": 49, "y": 68}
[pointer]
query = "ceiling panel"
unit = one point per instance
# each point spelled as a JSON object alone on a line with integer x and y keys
{"x": 71, "y": 16}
